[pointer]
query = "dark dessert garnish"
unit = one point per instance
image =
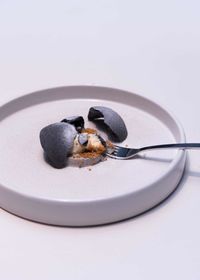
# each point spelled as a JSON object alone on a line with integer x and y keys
{"x": 57, "y": 140}
{"x": 83, "y": 139}
{"x": 111, "y": 119}
{"x": 77, "y": 121}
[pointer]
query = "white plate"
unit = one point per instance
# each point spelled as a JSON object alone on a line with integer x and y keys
{"x": 113, "y": 190}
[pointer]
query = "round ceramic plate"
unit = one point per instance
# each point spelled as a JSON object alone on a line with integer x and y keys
{"x": 107, "y": 192}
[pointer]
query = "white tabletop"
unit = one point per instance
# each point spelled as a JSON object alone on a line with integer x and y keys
{"x": 148, "y": 47}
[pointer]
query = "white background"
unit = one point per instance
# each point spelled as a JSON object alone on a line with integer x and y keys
{"x": 148, "y": 47}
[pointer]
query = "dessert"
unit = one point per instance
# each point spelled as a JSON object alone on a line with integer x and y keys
{"x": 69, "y": 143}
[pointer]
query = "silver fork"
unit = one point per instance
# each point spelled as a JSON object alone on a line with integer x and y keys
{"x": 118, "y": 152}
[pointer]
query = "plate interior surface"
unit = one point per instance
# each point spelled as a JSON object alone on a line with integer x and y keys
{"x": 24, "y": 170}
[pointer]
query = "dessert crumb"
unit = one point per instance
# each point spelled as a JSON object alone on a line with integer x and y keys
{"x": 109, "y": 144}
{"x": 89, "y": 130}
{"x": 89, "y": 168}
{"x": 86, "y": 154}
{"x": 126, "y": 145}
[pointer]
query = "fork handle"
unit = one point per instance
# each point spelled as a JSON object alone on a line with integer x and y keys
{"x": 175, "y": 146}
